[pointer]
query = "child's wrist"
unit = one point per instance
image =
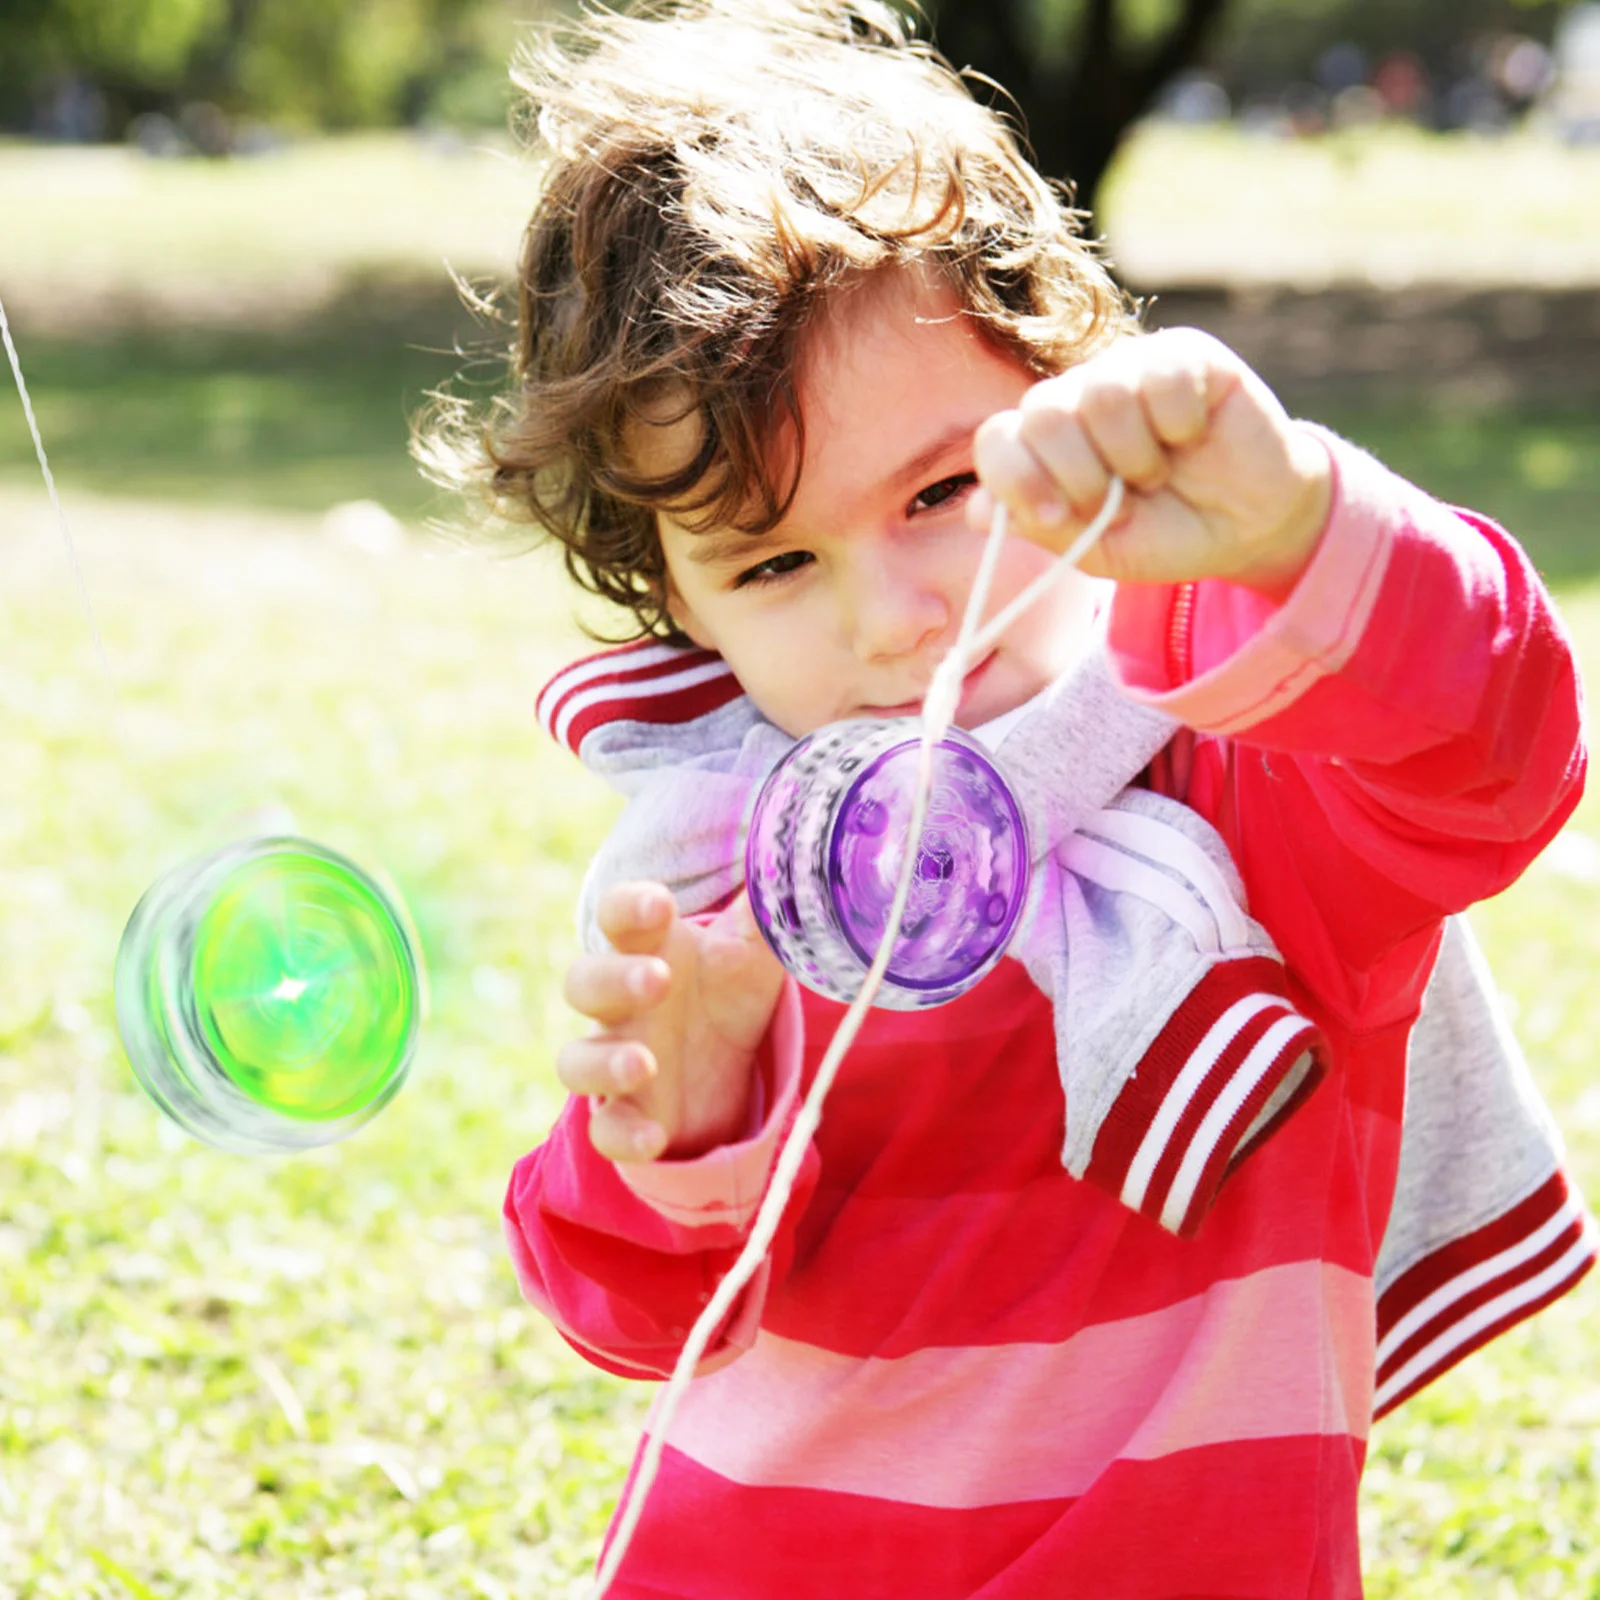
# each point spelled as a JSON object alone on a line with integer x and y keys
{"x": 1284, "y": 557}
{"x": 731, "y": 1115}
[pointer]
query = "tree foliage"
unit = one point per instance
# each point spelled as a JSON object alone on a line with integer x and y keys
{"x": 312, "y": 63}
{"x": 1081, "y": 72}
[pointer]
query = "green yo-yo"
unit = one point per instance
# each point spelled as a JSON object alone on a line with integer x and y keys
{"x": 269, "y": 995}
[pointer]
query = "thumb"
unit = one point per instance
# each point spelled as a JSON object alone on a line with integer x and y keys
{"x": 738, "y": 922}
{"x": 742, "y": 973}
{"x": 745, "y": 945}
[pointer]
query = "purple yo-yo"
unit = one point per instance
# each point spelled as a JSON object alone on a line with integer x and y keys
{"x": 825, "y": 846}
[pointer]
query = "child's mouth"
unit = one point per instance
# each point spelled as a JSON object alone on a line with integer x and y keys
{"x": 971, "y": 684}
{"x": 913, "y": 708}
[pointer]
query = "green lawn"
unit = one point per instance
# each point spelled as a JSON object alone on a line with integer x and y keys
{"x": 305, "y": 1377}
{"x": 105, "y": 229}
{"x": 94, "y": 235}
{"x": 312, "y": 1377}
{"x": 301, "y": 418}
{"x": 1534, "y": 467}
{"x": 1384, "y": 205}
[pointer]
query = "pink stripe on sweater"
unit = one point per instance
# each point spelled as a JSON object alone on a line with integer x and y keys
{"x": 1223, "y": 1366}
{"x": 1214, "y": 1524}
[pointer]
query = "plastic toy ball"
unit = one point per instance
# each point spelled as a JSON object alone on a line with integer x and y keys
{"x": 824, "y": 850}
{"x": 269, "y": 995}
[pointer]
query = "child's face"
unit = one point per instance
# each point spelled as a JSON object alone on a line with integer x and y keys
{"x": 845, "y": 608}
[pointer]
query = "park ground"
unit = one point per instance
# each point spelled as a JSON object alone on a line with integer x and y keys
{"x": 312, "y": 1379}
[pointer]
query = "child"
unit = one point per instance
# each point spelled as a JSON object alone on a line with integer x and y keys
{"x": 794, "y": 316}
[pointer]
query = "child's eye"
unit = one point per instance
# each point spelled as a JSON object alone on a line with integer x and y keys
{"x": 942, "y": 492}
{"x": 771, "y": 570}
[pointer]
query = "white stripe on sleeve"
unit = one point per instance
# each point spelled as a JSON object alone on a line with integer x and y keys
{"x": 1438, "y": 1353}
{"x": 1166, "y": 846}
{"x": 650, "y": 688}
{"x": 1185, "y": 1086}
{"x": 1223, "y": 1110}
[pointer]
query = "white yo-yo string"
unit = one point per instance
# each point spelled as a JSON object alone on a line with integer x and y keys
{"x": 944, "y": 693}
{"x": 55, "y": 497}
{"x": 938, "y": 710}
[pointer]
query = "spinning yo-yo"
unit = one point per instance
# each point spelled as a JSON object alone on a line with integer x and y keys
{"x": 269, "y": 995}
{"x": 825, "y": 846}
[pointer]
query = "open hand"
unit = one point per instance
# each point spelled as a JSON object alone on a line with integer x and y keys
{"x": 681, "y": 1007}
{"x": 1222, "y": 482}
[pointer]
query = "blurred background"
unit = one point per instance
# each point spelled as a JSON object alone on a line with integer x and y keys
{"x": 228, "y": 230}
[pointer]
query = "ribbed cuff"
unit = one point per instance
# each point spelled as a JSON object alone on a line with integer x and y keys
{"x": 1232, "y": 1062}
{"x": 1474, "y": 1288}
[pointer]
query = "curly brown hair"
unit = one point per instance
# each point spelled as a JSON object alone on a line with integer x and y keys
{"x": 715, "y": 170}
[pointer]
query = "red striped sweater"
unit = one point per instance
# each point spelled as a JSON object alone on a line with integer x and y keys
{"x": 965, "y": 1373}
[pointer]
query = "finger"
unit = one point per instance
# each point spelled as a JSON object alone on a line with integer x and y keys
{"x": 1012, "y": 473}
{"x": 636, "y": 917}
{"x": 1115, "y": 421}
{"x": 1057, "y": 438}
{"x": 605, "y": 1066}
{"x": 614, "y": 989}
{"x": 620, "y": 1131}
{"x": 737, "y": 919}
{"x": 1175, "y": 402}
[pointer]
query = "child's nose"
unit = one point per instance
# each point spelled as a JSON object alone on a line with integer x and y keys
{"x": 897, "y": 613}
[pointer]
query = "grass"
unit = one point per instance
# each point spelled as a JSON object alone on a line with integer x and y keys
{"x": 298, "y": 419}
{"x": 307, "y": 1377}
{"x": 1534, "y": 467}
{"x": 106, "y": 234}
{"x": 312, "y": 1379}
{"x": 104, "y": 230}
{"x": 1384, "y": 205}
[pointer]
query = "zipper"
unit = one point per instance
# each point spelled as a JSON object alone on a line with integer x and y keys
{"x": 1180, "y": 636}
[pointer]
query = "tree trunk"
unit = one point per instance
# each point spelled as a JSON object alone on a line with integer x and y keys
{"x": 1077, "y": 109}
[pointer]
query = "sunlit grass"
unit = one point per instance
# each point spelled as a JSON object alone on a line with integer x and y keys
{"x": 105, "y": 228}
{"x": 306, "y": 1377}
{"x": 1384, "y": 205}
{"x": 226, "y": 1379}
{"x": 93, "y": 234}
{"x": 312, "y": 1377}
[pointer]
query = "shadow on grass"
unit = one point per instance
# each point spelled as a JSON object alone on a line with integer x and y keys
{"x": 297, "y": 417}
{"x": 1486, "y": 399}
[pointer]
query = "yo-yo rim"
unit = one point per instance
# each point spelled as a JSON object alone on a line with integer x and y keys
{"x": 958, "y": 739}
{"x": 781, "y": 769}
{"x": 192, "y": 880}
{"x": 752, "y": 882}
